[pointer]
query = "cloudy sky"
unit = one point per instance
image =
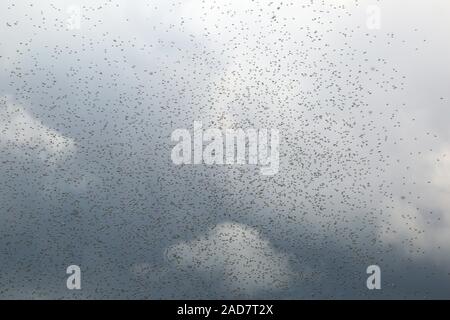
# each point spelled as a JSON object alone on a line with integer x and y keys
{"x": 90, "y": 92}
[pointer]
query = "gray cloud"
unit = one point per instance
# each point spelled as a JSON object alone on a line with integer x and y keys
{"x": 86, "y": 117}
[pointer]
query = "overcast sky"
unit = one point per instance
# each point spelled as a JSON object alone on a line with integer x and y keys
{"x": 90, "y": 92}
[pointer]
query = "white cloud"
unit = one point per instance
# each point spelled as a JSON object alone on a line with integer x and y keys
{"x": 20, "y": 132}
{"x": 422, "y": 225}
{"x": 237, "y": 255}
